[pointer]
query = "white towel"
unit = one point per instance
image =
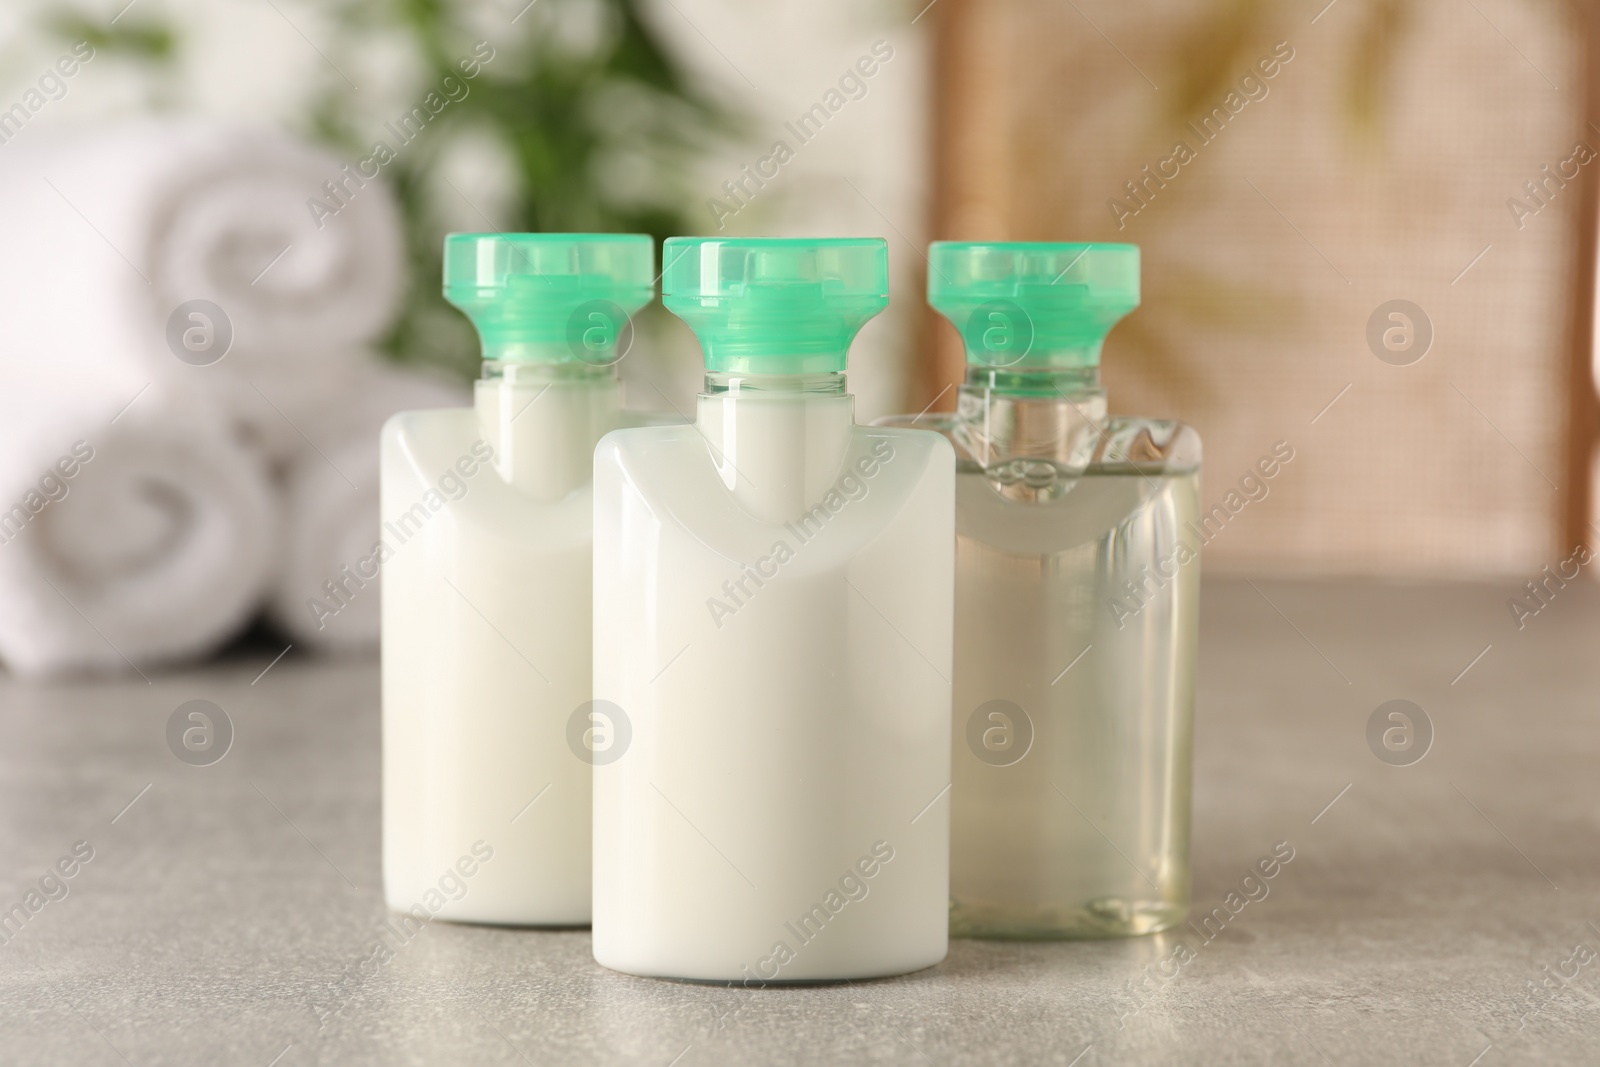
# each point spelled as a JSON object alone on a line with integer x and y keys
{"x": 128, "y": 538}
{"x": 110, "y": 230}
{"x": 331, "y": 506}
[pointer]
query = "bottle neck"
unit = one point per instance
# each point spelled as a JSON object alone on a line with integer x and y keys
{"x": 543, "y": 421}
{"x": 829, "y": 383}
{"x": 1079, "y": 385}
{"x": 1056, "y": 414}
{"x": 777, "y": 440}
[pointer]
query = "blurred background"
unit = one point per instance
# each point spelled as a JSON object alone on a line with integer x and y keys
{"x": 1367, "y": 225}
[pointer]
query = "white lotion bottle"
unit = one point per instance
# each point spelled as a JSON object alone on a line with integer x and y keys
{"x": 485, "y": 555}
{"x": 773, "y": 624}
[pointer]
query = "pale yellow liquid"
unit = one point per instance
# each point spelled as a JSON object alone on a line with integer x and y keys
{"x": 1087, "y": 834}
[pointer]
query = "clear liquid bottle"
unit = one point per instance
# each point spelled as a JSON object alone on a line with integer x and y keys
{"x": 487, "y": 542}
{"x": 773, "y": 607}
{"x": 1076, "y": 607}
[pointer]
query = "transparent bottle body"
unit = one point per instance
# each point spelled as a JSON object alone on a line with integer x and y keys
{"x": 773, "y": 609}
{"x": 485, "y": 646}
{"x": 1076, "y": 619}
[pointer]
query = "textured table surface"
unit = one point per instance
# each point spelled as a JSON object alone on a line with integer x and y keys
{"x": 1445, "y": 912}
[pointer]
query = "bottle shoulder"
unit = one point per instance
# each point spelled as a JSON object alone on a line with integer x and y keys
{"x": 1171, "y": 445}
{"x": 687, "y": 441}
{"x": 656, "y": 480}
{"x": 1118, "y": 444}
{"x": 427, "y": 425}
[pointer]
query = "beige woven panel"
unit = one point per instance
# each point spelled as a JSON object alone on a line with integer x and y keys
{"x": 1374, "y": 165}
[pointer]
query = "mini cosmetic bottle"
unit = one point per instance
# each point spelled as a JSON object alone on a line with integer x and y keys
{"x": 773, "y": 599}
{"x": 486, "y": 548}
{"x": 1076, "y": 596}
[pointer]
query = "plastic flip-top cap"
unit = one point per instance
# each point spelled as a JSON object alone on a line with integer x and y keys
{"x": 550, "y": 297}
{"x": 1033, "y": 306}
{"x": 775, "y": 305}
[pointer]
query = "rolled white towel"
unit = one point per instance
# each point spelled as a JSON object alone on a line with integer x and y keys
{"x": 128, "y": 538}
{"x": 331, "y": 507}
{"x": 112, "y": 231}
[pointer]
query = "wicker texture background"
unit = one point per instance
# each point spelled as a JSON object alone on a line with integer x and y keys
{"x": 1377, "y": 166}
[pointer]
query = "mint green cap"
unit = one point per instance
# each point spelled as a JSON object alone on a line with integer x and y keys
{"x": 773, "y": 305}
{"x": 550, "y": 297}
{"x": 1033, "y": 306}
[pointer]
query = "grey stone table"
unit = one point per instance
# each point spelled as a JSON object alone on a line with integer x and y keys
{"x": 1445, "y": 912}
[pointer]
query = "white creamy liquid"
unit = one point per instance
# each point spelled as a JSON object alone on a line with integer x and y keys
{"x": 486, "y": 628}
{"x": 780, "y": 811}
